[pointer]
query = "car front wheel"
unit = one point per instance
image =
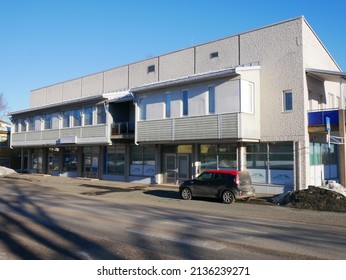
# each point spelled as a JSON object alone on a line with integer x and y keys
{"x": 227, "y": 197}
{"x": 186, "y": 194}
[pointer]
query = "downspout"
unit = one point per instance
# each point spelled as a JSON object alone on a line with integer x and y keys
{"x": 135, "y": 103}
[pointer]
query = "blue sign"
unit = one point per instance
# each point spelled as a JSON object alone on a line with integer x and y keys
{"x": 327, "y": 123}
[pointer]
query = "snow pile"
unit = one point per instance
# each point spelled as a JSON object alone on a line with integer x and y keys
{"x": 332, "y": 185}
{"x": 6, "y": 171}
{"x": 329, "y": 198}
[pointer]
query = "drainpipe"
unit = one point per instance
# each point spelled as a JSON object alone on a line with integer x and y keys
{"x": 342, "y": 160}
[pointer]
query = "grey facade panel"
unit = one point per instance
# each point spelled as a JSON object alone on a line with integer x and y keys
{"x": 93, "y": 131}
{"x": 158, "y": 130}
{"x": 229, "y": 125}
{"x": 204, "y": 127}
{"x": 32, "y": 136}
{"x": 70, "y": 132}
{"x": 18, "y": 137}
{"x": 50, "y": 135}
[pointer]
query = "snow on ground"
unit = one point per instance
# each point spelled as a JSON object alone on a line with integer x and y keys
{"x": 6, "y": 171}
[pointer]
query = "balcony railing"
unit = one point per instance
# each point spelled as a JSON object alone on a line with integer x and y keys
{"x": 122, "y": 130}
{"x": 318, "y": 118}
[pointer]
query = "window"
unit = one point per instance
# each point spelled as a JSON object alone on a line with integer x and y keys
{"x": 22, "y": 126}
{"x": 142, "y": 160}
{"x": 48, "y": 121}
{"x": 77, "y": 118}
{"x": 142, "y": 109}
{"x": 287, "y": 101}
{"x": 185, "y": 102}
{"x": 115, "y": 160}
{"x": 101, "y": 114}
{"x": 247, "y": 97}
{"x": 151, "y": 68}
{"x": 88, "y": 116}
{"x": 70, "y": 159}
{"x": 31, "y": 124}
{"x": 223, "y": 156}
{"x": 168, "y": 105}
{"x": 66, "y": 119}
{"x": 214, "y": 55}
{"x": 211, "y": 99}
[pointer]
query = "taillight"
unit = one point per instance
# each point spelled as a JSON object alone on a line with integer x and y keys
{"x": 237, "y": 180}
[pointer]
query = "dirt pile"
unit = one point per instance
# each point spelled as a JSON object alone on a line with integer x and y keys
{"x": 316, "y": 198}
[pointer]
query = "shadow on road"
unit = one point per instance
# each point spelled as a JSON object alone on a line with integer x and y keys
{"x": 163, "y": 193}
{"x": 27, "y": 232}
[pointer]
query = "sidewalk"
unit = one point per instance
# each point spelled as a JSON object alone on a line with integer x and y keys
{"x": 78, "y": 184}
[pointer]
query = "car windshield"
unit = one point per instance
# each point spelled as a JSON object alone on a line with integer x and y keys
{"x": 244, "y": 178}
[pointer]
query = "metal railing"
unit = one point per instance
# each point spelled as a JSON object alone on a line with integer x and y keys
{"x": 121, "y": 128}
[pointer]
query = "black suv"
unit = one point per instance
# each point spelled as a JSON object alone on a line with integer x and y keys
{"x": 227, "y": 185}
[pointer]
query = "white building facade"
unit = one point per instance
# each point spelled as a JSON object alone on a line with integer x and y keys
{"x": 248, "y": 101}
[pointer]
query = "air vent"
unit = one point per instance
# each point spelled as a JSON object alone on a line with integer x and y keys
{"x": 214, "y": 55}
{"x": 151, "y": 68}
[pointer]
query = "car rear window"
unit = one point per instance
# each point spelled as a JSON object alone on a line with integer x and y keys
{"x": 244, "y": 178}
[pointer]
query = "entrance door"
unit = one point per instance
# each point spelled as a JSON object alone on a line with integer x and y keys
{"x": 176, "y": 168}
{"x": 91, "y": 166}
{"x": 171, "y": 169}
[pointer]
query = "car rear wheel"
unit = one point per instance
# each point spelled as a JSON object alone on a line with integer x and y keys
{"x": 186, "y": 194}
{"x": 227, "y": 197}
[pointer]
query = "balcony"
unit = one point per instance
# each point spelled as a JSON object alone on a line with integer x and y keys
{"x": 317, "y": 119}
{"x": 96, "y": 134}
{"x": 122, "y": 130}
{"x": 199, "y": 128}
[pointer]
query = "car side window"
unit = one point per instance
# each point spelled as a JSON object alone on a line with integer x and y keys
{"x": 205, "y": 176}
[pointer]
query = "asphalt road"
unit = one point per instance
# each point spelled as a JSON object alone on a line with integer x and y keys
{"x": 64, "y": 218}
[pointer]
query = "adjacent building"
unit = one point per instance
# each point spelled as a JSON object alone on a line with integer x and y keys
{"x": 263, "y": 100}
{"x": 8, "y": 157}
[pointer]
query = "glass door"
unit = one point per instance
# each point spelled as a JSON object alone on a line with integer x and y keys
{"x": 91, "y": 162}
{"x": 176, "y": 168}
{"x": 183, "y": 168}
{"x": 171, "y": 169}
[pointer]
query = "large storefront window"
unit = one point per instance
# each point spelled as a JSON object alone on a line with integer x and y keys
{"x": 115, "y": 160}
{"x": 223, "y": 156}
{"x": 271, "y": 163}
{"x": 142, "y": 162}
{"x": 70, "y": 160}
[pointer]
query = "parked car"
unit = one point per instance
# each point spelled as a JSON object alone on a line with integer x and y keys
{"x": 227, "y": 185}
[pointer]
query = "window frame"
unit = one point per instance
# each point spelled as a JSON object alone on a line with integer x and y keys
{"x": 211, "y": 99}
{"x": 79, "y": 119}
{"x": 185, "y": 102}
{"x": 287, "y": 101}
{"x": 167, "y": 97}
{"x": 88, "y": 113}
{"x": 101, "y": 115}
{"x": 48, "y": 121}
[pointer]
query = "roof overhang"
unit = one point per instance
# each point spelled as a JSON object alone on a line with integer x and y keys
{"x": 186, "y": 80}
{"x": 71, "y": 102}
{"x": 326, "y": 75}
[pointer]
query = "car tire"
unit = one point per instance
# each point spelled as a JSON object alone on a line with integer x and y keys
{"x": 186, "y": 194}
{"x": 227, "y": 197}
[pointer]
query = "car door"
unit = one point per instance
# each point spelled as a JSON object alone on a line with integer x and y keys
{"x": 201, "y": 184}
{"x": 215, "y": 185}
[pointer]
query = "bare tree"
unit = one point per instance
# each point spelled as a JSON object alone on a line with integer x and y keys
{"x": 3, "y": 105}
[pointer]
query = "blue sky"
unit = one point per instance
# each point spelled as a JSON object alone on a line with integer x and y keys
{"x": 43, "y": 42}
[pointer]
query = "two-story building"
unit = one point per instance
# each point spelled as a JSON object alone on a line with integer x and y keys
{"x": 247, "y": 101}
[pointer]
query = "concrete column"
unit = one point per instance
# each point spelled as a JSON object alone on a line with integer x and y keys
{"x": 342, "y": 156}
{"x": 242, "y": 156}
